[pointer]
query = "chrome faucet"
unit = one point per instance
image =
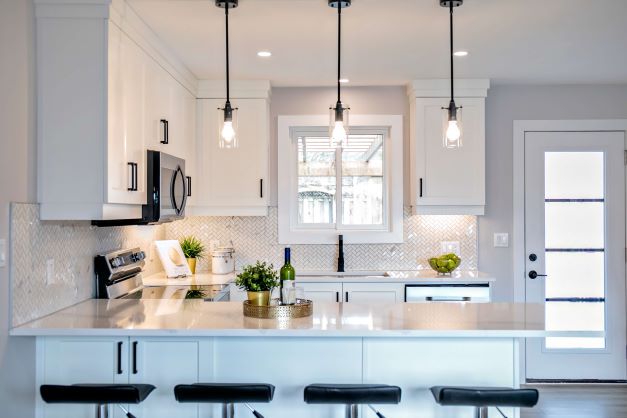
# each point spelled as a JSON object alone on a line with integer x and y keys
{"x": 340, "y": 257}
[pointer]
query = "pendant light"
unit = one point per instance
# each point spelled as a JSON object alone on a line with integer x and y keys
{"x": 338, "y": 127}
{"x": 228, "y": 114}
{"x": 452, "y": 134}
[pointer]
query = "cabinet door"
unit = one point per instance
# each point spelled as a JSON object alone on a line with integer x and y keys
{"x": 373, "y": 292}
{"x": 164, "y": 363}
{"x": 234, "y": 181}
{"x": 126, "y": 156}
{"x": 322, "y": 292}
{"x": 158, "y": 104}
{"x": 449, "y": 177}
{"x": 68, "y": 361}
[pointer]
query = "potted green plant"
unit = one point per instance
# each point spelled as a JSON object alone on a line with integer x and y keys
{"x": 258, "y": 280}
{"x": 193, "y": 249}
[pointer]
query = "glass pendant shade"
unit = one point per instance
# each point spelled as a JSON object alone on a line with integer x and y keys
{"x": 452, "y": 129}
{"x": 227, "y": 128}
{"x": 338, "y": 126}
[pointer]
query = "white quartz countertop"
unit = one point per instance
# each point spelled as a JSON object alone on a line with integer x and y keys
{"x": 214, "y": 319}
{"x": 409, "y": 277}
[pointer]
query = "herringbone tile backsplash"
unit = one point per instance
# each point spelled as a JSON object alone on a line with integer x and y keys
{"x": 72, "y": 246}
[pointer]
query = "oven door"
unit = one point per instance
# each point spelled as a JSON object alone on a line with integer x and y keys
{"x": 173, "y": 187}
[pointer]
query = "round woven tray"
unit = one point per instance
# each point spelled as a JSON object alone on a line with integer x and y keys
{"x": 301, "y": 309}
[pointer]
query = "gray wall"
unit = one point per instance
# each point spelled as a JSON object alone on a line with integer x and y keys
{"x": 17, "y": 183}
{"x": 504, "y": 105}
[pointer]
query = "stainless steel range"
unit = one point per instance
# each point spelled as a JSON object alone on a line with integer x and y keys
{"x": 119, "y": 276}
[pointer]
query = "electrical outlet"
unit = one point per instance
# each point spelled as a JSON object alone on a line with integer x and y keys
{"x": 501, "y": 240}
{"x": 50, "y": 271}
{"x": 3, "y": 253}
{"x": 449, "y": 247}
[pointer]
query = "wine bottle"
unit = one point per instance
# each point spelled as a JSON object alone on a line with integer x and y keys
{"x": 287, "y": 275}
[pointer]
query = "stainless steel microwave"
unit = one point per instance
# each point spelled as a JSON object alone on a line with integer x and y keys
{"x": 167, "y": 188}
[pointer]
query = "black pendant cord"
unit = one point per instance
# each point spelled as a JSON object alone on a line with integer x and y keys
{"x": 228, "y": 95}
{"x": 452, "y": 73}
{"x": 339, "y": 49}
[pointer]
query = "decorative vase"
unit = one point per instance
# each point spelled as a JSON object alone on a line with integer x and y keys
{"x": 192, "y": 264}
{"x": 259, "y": 298}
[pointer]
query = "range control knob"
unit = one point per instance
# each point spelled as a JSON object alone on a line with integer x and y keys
{"x": 139, "y": 256}
{"x": 116, "y": 262}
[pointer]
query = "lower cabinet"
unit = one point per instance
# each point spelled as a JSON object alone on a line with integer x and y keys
{"x": 322, "y": 292}
{"x": 353, "y": 292}
{"x": 162, "y": 362}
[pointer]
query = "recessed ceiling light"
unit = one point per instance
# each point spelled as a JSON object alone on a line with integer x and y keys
{"x": 264, "y": 54}
{"x": 344, "y": 80}
{"x": 460, "y": 53}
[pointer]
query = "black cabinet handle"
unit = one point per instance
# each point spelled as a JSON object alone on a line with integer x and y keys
{"x": 133, "y": 167}
{"x": 346, "y": 296}
{"x": 337, "y": 296}
{"x": 421, "y": 187}
{"x": 261, "y": 188}
{"x": 134, "y": 357}
{"x": 166, "y": 135}
{"x": 120, "y": 371}
{"x": 189, "y": 186}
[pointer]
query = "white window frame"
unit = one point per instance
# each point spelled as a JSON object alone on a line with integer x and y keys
{"x": 291, "y": 232}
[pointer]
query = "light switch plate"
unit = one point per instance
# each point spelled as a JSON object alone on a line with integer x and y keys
{"x": 50, "y": 271}
{"x": 450, "y": 247}
{"x": 3, "y": 252}
{"x": 501, "y": 239}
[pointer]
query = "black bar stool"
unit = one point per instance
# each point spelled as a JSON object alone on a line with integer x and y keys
{"x": 100, "y": 395}
{"x": 482, "y": 398}
{"x": 226, "y": 394}
{"x": 352, "y": 396}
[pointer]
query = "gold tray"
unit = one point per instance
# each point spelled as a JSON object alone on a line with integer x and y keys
{"x": 301, "y": 309}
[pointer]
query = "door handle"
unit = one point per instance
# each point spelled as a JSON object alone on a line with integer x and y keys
{"x": 166, "y": 139}
{"x": 134, "y": 357}
{"x": 534, "y": 274}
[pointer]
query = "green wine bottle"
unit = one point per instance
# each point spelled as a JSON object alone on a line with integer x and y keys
{"x": 288, "y": 279}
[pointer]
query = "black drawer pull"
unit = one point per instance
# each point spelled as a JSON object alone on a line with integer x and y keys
{"x": 337, "y": 296}
{"x": 134, "y": 357}
{"x": 346, "y": 296}
{"x": 120, "y": 371}
{"x": 166, "y": 134}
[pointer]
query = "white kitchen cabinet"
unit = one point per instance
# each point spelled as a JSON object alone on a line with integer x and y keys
{"x": 66, "y": 361}
{"x": 164, "y": 363}
{"x": 322, "y": 292}
{"x": 447, "y": 181}
{"x": 373, "y": 292}
{"x": 232, "y": 182}
{"x": 100, "y": 98}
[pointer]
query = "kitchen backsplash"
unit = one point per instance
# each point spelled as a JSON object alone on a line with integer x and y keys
{"x": 256, "y": 238}
{"x": 72, "y": 246}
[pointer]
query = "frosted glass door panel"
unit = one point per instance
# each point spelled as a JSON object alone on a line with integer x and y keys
{"x": 576, "y": 316}
{"x": 575, "y": 274}
{"x": 576, "y": 175}
{"x": 570, "y": 225}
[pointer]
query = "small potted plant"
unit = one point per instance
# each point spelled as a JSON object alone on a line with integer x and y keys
{"x": 258, "y": 280}
{"x": 193, "y": 249}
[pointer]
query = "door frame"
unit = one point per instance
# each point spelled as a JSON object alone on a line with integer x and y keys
{"x": 521, "y": 127}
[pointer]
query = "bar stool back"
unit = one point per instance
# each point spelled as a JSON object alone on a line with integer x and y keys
{"x": 100, "y": 395}
{"x": 227, "y": 394}
{"x": 352, "y": 396}
{"x": 482, "y": 398}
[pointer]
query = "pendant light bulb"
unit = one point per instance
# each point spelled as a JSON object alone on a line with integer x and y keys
{"x": 338, "y": 118}
{"x": 453, "y": 133}
{"x": 228, "y": 133}
{"x": 339, "y": 133}
{"x": 228, "y": 114}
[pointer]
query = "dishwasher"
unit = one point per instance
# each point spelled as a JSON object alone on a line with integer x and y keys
{"x": 447, "y": 292}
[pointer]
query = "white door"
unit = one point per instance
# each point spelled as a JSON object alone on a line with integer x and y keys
{"x": 575, "y": 235}
{"x": 164, "y": 363}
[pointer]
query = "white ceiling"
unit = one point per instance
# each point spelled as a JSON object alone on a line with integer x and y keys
{"x": 390, "y": 42}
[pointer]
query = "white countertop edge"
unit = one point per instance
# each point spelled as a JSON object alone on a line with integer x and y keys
{"x": 305, "y": 333}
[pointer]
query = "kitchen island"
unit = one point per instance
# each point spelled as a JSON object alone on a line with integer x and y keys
{"x": 166, "y": 342}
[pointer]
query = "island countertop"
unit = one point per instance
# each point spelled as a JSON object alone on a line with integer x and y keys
{"x": 218, "y": 319}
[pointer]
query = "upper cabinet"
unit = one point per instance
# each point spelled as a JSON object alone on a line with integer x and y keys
{"x": 232, "y": 182}
{"x": 447, "y": 181}
{"x": 103, "y": 100}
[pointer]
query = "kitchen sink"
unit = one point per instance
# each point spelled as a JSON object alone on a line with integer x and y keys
{"x": 354, "y": 273}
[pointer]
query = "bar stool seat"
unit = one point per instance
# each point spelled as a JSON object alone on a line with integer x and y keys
{"x": 483, "y": 397}
{"x": 352, "y": 395}
{"x": 95, "y": 393}
{"x": 226, "y": 394}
